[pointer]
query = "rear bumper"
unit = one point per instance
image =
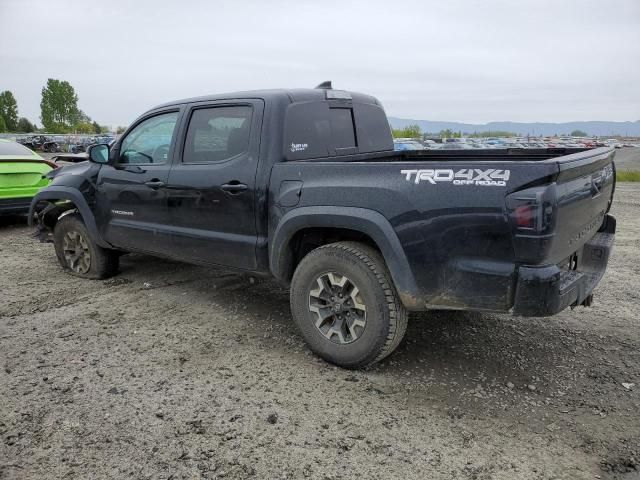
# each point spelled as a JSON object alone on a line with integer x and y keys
{"x": 547, "y": 290}
{"x": 10, "y": 206}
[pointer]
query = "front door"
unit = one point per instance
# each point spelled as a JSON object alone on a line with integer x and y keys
{"x": 132, "y": 195}
{"x": 211, "y": 188}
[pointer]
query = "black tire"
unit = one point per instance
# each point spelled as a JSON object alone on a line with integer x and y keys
{"x": 384, "y": 316}
{"x": 71, "y": 239}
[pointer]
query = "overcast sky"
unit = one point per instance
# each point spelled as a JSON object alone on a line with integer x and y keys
{"x": 464, "y": 60}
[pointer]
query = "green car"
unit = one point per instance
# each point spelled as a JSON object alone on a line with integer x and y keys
{"x": 21, "y": 176}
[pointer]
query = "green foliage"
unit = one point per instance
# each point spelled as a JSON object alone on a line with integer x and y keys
{"x": 59, "y": 107}
{"x": 578, "y": 133}
{"x": 3, "y": 126}
{"x": 25, "y": 126}
{"x": 628, "y": 176}
{"x": 98, "y": 129}
{"x": 9, "y": 110}
{"x": 492, "y": 133}
{"x": 83, "y": 127}
{"x": 448, "y": 133}
{"x": 121, "y": 129}
{"x": 410, "y": 131}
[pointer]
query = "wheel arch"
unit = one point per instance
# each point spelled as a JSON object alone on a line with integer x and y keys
{"x": 339, "y": 224}
{"x": 53, "y": 194}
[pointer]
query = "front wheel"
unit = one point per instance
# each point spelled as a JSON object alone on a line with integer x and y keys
{"x": 345, "y": 305}
{"x": 78, "y": 253}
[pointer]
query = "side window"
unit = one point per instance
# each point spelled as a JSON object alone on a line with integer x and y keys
{"x": 372, "y": 126}
{"x": 342, "y": 131}
{"x": 149, "y": 141}
{"x": 218, "y": 133}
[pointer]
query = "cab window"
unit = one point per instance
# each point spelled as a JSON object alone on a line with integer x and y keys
{"x": 217, "y": 134}
{"x": 150, "y": 141}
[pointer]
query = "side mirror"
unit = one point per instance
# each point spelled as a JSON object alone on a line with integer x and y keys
{"x": 99, "y": 153}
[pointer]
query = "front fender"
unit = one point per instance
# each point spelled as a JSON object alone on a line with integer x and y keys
{"x": 55, "y": 192}
{"x": 368, "y": 222}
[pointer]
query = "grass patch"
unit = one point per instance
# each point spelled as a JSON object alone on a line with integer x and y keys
{"x": 628, "y": 176}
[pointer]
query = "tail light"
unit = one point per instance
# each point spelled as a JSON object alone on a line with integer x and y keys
{"x": 532, "y": 211}
{"x": 525, "y": 216}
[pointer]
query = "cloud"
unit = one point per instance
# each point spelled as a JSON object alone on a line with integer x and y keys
{"x": 472, "y": 61}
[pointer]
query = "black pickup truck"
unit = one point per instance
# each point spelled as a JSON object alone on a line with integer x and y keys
{"x": 304, "y": 186}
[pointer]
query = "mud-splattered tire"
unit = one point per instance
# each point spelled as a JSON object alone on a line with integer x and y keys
{"x": 78, "y": 253}
{"x": 345, "y": 305}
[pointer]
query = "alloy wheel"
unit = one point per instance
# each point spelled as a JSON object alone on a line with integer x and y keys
{"x": 341, "y": 315}
{"x": 76, "y": 252}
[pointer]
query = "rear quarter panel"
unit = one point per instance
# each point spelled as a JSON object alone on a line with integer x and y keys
{"x": 449, "y": 232}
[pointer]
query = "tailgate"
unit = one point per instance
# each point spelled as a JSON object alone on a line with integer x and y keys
{"x": 566, "y": 214}
{"x": 584, "y": 194}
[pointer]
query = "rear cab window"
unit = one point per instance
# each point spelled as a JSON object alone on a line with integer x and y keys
{"x": 317, "y": 129}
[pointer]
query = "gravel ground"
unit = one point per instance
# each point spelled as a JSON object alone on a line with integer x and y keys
{"x": 172, "y": 371}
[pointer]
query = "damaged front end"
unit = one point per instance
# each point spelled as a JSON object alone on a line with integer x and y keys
{"x": 46, "y": 214}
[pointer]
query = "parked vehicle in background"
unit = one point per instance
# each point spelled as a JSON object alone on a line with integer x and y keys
{"x": 85, "y": 142}
{"x": 456, "y": 146}
{"x": 41, "y": 142}
{"x": 21, "y": 176}
{"x": 403, "y": 145}
{"x": 62, "y": 159}
{"x": 305, "y": 186}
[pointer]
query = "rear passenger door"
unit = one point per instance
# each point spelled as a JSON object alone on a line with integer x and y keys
{"x": 211, "y": 187}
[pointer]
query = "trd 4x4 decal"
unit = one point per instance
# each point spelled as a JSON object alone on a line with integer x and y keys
{"x": 466, "y": 176}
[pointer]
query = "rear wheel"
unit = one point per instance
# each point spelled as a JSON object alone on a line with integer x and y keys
{"x": 345, "y": 305}
{"x": 78, "y": 253}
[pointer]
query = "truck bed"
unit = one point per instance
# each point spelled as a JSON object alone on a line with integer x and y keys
{"x": 488, "y": 155}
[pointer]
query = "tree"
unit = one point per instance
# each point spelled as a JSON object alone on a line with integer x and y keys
{"x": 59, "y": 107}
{"x": 493, "y": 133}
{"x": 25, "y": 126}
{"x": 410, "y": 131}
{"x": 96, "y": 127}
{"x": 3, "y": 126}
{"x": 121, "y": 129}
{"x": 578, "y": 133}
{"x": 83, "y": 127}
{"x": 9, "y": 110}
{"x": 448, "y": 133}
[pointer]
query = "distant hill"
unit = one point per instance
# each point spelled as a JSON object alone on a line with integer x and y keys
{"x": 599, "y": 128}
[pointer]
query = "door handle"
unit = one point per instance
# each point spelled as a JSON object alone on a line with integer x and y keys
{"x": 154, "y": 184}
{"x": 234, "y": 187}
{"x": 133, "y": 169}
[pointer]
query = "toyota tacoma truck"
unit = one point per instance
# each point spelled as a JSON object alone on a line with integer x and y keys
{"x": 305, "y": 186}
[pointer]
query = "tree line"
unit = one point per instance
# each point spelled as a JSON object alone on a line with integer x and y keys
{"x": 59, "y": 112}
{"x": 414, "y": 131}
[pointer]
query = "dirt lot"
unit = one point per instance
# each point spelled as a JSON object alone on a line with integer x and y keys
{"x": 172, "y": 371}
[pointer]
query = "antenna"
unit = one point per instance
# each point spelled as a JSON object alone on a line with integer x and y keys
{"x": 326, "y": 85}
